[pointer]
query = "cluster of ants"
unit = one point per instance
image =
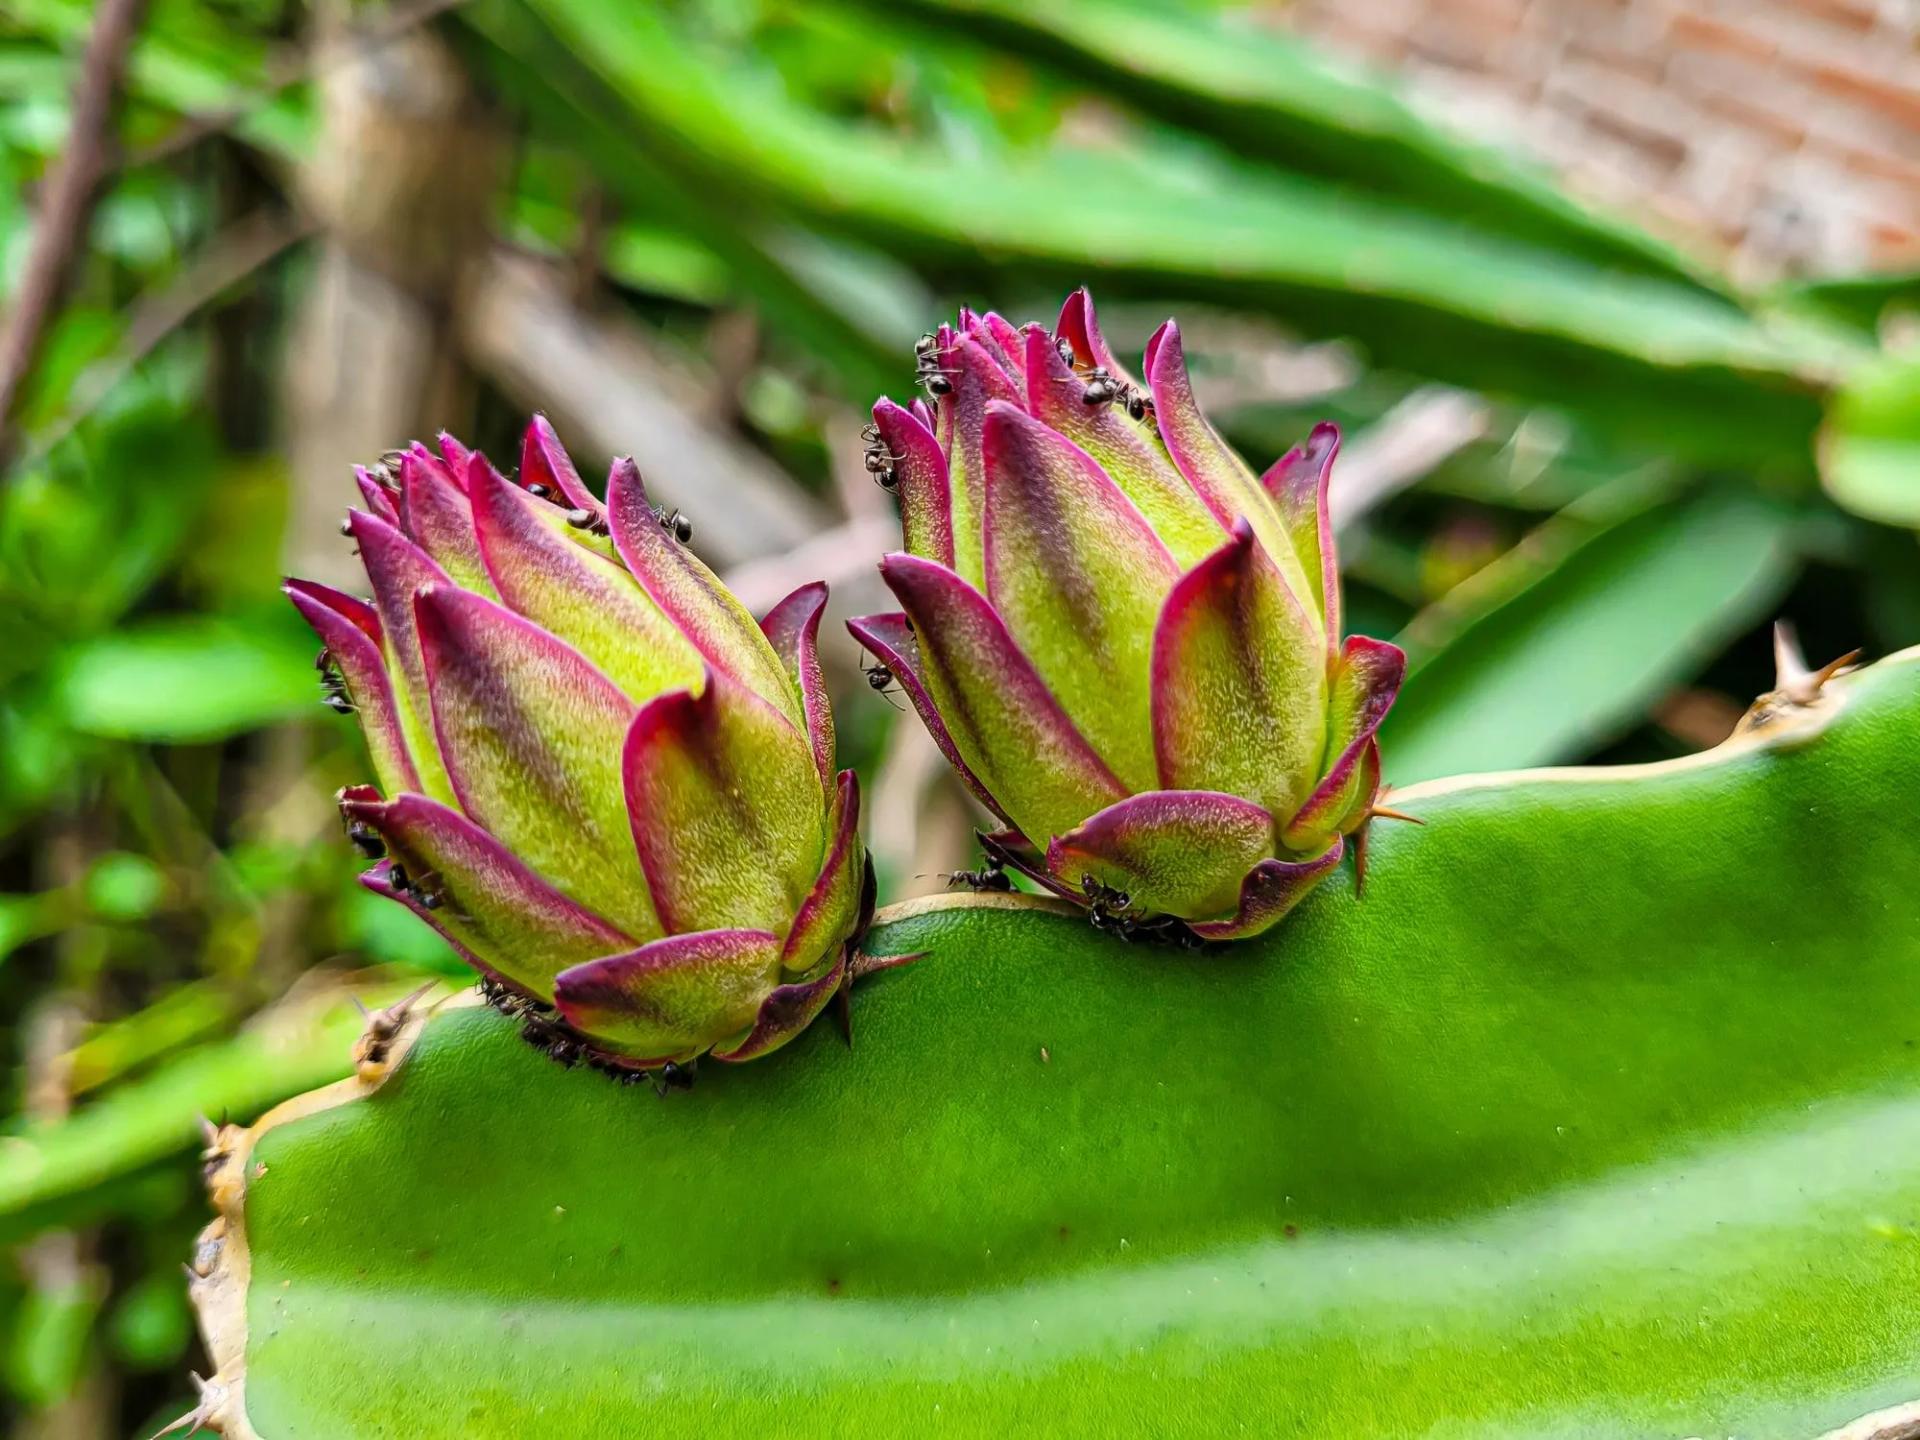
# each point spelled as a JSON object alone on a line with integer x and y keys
{"x": 543, "y": 1029}
{"x": 1109, "y": 910}
{"x": 1102, "y": 388}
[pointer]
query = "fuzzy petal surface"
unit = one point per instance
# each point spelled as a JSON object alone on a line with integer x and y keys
{"x": 544, "y": 461}
{"x": 365, "y": 670}
{"x": 589, "y": 601}
{"x": 398, "y": 569}
{"x": 1219, "y": 476}
{"x": 1079, "y": 577}
{"x": 705, "y": 611}
{"x": 440, "y": 520}
{"x": 977, "y": 379}
{"x": 920, "y": 480}
{"x": 1003, "y": 720}
{"x": 726, "y": 808}
{"x": 1173, "y": 852}
{"x": 531, "y": 736}
{"x": 831, "y": 911}
{"x": 676, "y": 997}
{"x": 1130, "y": 453}
{"x": 1362, "y": 686}
{"x": 1239, "y": 682}
{"x": 1270, "y": 890}
{"x": 793, "y": 629}
{"x": 891, "y": 641}
{"x": 786, "y": 1012}
{"x": 1298, "y": 482}
{"x": 490, "y": 904}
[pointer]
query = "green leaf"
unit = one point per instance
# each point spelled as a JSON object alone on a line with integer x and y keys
{"x": 1597, "y": 1116}
{"x": 191, "y": 678}
{"x": 1870, "y": 448}
{"x": 1597, "y": 629}
{"x": 1267, "y": 94}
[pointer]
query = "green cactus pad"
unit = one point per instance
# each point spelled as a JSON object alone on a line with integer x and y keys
{"x": 1599, "y": 1115}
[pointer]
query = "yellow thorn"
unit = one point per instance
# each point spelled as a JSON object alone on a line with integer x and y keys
{"x": 1381, "y": 812}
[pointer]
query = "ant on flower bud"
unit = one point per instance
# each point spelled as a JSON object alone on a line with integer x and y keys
{"x": 587, "y": 520}
{"x": 675, "y": 524}
{"x": 881, "y": 679}
{"x": 538, "y": 491}
{"x": 990, "y": 876}
{"x": 333, "y": 686}
{"x": 879, "y": 459}
{"x": 928, "y": 370}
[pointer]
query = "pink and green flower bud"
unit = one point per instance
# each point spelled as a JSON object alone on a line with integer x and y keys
{"x": 599, "y": 778}
{"x": 1125, "y": 640}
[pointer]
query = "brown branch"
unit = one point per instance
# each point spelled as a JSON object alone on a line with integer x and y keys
{"x": 66, "y": 203}
{"x": 230, "y": 257}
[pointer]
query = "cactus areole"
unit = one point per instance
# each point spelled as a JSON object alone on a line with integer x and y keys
{"x": 1124, "y": 640}
{"x": 607, "y": 786}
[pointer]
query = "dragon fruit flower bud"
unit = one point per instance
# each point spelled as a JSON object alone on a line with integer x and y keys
{"x": 609, "y": 788}
{"x": 1126, "y": 642}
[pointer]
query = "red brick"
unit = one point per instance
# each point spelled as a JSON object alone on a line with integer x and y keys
{"x": 1900, "y": 103}
{"x": 1704, "y": 32}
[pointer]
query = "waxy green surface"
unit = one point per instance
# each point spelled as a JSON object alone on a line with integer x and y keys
{"x": 1600, "y": 1115}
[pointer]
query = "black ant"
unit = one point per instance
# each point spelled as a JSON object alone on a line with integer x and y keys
{"x": 990, "y": 876}
{"x": 333, "y": 685}
{"x": 881, "y": 679}
{"x": 425, "y": 888}
{"x": 1111, "y": 912}
{"x": 675, "y": 524}
{"x": 1104, "y": 389}
{"x": 928, "y": 370}
{"x": 880, "y": 460}
{"x": 587, "y": 520}
{"x": 366, "y": 839}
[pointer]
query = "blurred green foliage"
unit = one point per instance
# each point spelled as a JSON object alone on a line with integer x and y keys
{"x": 1587, "y": 576}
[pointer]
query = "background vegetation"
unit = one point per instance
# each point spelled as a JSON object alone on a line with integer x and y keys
{"x": 1584, "y": 471}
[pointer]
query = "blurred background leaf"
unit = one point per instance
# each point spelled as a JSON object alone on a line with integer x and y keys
{"x": 1592, "y": 446}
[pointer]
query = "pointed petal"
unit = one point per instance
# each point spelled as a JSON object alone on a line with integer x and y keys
{"x": 1239, "y": 682}
{"x": 441, "y": 521}
{"x": 793, "y": 629}
{"x": 920, "y": 480}
{"x": 828, "y": 916}
{"x": 1004, "y": 721}
{"x": 691, "y": 595}
{"x": 1080, "y": 328}
{"x": 531, "y": 735}
{"x": 977, "y": 378}
{"x": 1005, "y": 343}
{"x": 674, "y": 998}
{"x": 397, "y": 569}
{"x": 351, "y": 607}
{"x": 454, "y": 453}
{"x": 380, "y": 499}
{"x": 1271, "y": 889}
{"x": 923, "y": 412}
{"x": 544, "y": 461}
{"x": 1219, "y": 476}
{"x": 786, "y": 1012}
{"x": 1297, "y": 483}
{"x": 489, "y": 903}
{"x": 1128, "y": 452}
{"x": 565, "y": 588}
{"x": 343, "y": 632}
{"x": 1361, "y": 689}
{"x": 1079, "y": 577}
{"x": 1366, "y": 791}
{"x": 891, "y": 641}
{"x": 726, "y": 808}
{"x": 1173, "y": 852}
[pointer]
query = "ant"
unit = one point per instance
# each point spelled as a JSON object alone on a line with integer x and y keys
{"x": 990, "y": 876}
{"x": 587, "y": 520}
{"x": 333, "y": 685}
{"x": 928, "y": 370}
{"x": 880, "y": 459}
{"x": 425, "y": 888}
{"x": 881, "y": 679}
{"x": 1111, "y": 912}
{"x": 1104, "y": 389}
{"x": 675, "y": 524}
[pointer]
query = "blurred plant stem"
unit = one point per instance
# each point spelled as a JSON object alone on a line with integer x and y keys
{"x": 66, "y": 203}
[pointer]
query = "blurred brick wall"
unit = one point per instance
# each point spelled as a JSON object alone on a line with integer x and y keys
{"x": 1784, "y": 133}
